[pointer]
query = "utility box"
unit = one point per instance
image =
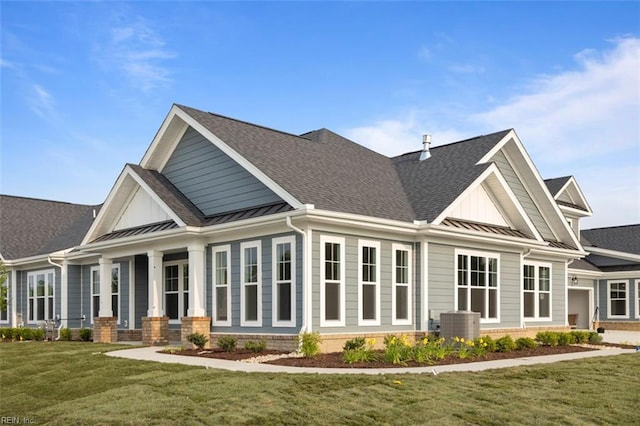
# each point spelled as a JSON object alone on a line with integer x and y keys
{"x": 460, "y": 324}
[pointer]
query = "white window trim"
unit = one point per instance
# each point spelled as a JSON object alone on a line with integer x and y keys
{"x": 637, "y": 299}
{"x": 628, "y": 293}
{"x": 182, "y": 263}
{"x": 46, "y": 272}
{"x": 6, "y": 284}
{"x": 274, "y": 282}
{"x": 361, "y": 283}
{"x": 335, "y": 240}
{"x": 119, "y": 294}
{"x": 258, "y": 245}
{"x": 536, "y": 291}
{"x": 214, "y": 250}
{"x": 486, "y": 254}
{"x": 401, "y": 247}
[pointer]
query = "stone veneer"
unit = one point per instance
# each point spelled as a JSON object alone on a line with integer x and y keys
{"x": 105, "y": 329}
{"x": 155, "y": 331}
{"x": 190, "y": 325}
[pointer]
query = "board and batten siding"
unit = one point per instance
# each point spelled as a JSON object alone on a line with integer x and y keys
{"x": 213, "y": 181}
{"x": 523, "y": 196}
{"x": 351, "y": 286}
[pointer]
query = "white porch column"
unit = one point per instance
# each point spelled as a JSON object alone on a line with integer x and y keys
{"x": 14, "y": 298}
{"x": 155, "y": 284}
{"x": 106, "y": 309}
{"x": 196, "y": 281}
{"x": 64, "y": 297}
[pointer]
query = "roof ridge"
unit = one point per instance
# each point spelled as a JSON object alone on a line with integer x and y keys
{"x": 455, "y": 142}
{"x": 50, "y": 201}
{"x": 611, "y": 227}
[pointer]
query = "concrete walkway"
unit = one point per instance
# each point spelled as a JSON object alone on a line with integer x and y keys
{"x": 153, "y": 354}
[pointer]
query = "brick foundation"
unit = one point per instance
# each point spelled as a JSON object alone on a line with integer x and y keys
{"x": 129, "y": 335}
{"x": 155, "y": 331}
{"x": 620, "y": 325}
{"x": 195, "y": 325}
{"x": 278, "y": 343}
{"x": 105, "y": 329}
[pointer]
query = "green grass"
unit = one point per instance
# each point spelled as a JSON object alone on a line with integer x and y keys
{"x": 75, "y": 383}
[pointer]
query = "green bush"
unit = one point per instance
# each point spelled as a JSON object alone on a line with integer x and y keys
{"x": 7, "y": 334}
{"x": 38, "y": 334}
{"x": 566, "y": 339}
{"x": 65, "y": 334}
{"x": 355, "y": 343}
{"x": 505, "y": 344}
{"x": 227, "y": 343}
{"x": 525, "y": 343}
{"x": 257, "y": 347}
{"x": 24, "y": 333}
{"x": 581, "y": 336}
{"x": 548, "y": 338}
{"x": 490, "y": 343}
{"x": 594, "y": 337}
{"x": 86, "y": 334}
{"x": 397, "y": 350}
{"x": 198, "y": 339}
{"x": 309, "y": 344}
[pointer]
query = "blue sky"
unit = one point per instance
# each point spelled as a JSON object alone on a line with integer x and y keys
{"x": 85, "y": 86}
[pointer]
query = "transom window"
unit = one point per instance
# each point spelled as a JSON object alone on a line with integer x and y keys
{"x": 369, "y": 288}
{"x": 332, "y": 291}
{"x": 176, "y": 290}
{"x": 251, "y": 289}
{"x": 222, "y": 286}
{"x": 40, "y": 296}
{"x": 401, "y": 266}
{"x": 284, "y": 287}
{"x": 477, "y": 281}
{"x": 537, "y": 291}
{"x": 95, "y": 291}
{"x": 618, "y": 292}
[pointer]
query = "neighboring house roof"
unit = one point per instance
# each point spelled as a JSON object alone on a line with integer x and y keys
{"x": 584, "y": 265}
{"x": 30, "y": 227}
{"x": 616, "y": 238}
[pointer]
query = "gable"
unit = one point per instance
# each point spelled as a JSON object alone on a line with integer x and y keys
{"x": 211, "y": 179}
{"x": 478, "y": 206}
{"x": 142, "y": 209}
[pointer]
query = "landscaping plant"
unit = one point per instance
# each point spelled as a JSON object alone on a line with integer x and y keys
{"x": 198, "y": 339}
{"x": 227, "y": 343}
{"x": 309, "y": 344}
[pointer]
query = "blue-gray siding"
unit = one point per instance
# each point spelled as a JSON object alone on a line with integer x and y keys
{"x": 213, "y": 181}
{"x": 603, "y": 299}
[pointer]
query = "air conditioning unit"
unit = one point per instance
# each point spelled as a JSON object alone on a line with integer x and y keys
{"x": 460, "y": 324}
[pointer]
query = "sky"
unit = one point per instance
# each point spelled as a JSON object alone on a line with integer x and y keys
{"x": 86, "y": 85}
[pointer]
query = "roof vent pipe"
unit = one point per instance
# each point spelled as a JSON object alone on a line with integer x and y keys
{"x": 426, "y": 144}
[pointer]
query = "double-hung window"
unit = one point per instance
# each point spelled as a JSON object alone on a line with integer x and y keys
{"x": 40, "y": 296}
{"x": 638, "y": 299}
{"x": 369, "y": 283}
{"x": 176, "y": 290}
{"x": 284, "y": 282}
{"x": 401, "y": 296}
{"x": 222, "y": 286}
{"x": 95, "y": 291}
{"x": 536, "y": 291}
{"x": 618, "y": 299}
{"x": 251, "y": 288}
{"x": 332, "y": 282}
{"x": 477, "y": 283}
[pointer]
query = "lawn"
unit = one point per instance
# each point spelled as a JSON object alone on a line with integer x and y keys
{"x": 73, "y": 382}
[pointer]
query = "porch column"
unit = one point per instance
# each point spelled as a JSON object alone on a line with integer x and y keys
{"x": 155, "y": 326}
{"x": 64, "y": 298}
{"x": 196, "y": 281}
{"x": 106, "y": 308}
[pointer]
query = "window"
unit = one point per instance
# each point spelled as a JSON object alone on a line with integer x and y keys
{"x": 40, "y": 296}
{"x": 537, "y": 291}
{"x": 222, "y": 286}
{"x": 332, "y": 291}
{"x": 4, "y": 313}
{"x": 401, "y": 296}
{"x": 284, "y": 282}
{"x": 638, "y": 299}
{"x": 618, "y": 306}
{"x": 176, "y": 290}
{"x": 251, "y": 289}
{"x": 368, "y": 286}
{"x": 95, "y": 291}
{"x": 477, "y": 284}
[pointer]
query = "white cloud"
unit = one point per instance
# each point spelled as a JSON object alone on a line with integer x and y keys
{"x": 41, "y": 102}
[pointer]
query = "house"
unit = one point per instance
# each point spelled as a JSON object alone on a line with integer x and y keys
{"x": 227, "y": 227}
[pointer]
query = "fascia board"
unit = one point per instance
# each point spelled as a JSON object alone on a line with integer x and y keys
{"x": 155, "y": 157}
{"x": 360, "y": 221}
{"x": 613, "y": 253}
{"x": 575, "y": 212}
{"x": 584, "y": 273}
{"x": 572, "y": 182}
{"x": 256, "y": 172}
{"x": 491, "y": 170}
{"x": 492, "y": 152}
{"x": 442, "y": 230}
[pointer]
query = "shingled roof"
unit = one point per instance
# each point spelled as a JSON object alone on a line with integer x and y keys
{"x": 30, "y": 227}
{"x": 555, "y": 185}
{"x": 617, "y": 238}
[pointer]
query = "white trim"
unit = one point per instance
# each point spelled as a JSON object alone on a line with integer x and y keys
{"x": 361, "y": 283}
{"x": 341, "y": 281}
{"x": 115, "y": 265}
{"x": 291, "y": 239}
{"x": 613, "y": 253}
{"x": 487, "y": 255}
{"x": 132, "y": 294}
{"x": 47, "y": 314}
{"x": 536, "y": 291}
{"x": 14, "y": 298}
{"x": 626, "y": 299}
{"x": 243, "y": 283}
{"x": 181, "y": 264}
{"x": 395, "y": 284}
{"x": 8, "y": 298}
{"x": 425, "y": 317}
{"x": 637, "y": 289}
{"x": 214, "y": 293}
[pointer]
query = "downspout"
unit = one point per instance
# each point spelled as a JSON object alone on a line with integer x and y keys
{"x": 60, "y": 327}
{"x": 305, "y": 294}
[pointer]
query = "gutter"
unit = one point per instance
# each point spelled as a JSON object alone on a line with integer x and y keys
{"x": 306, "y": 295}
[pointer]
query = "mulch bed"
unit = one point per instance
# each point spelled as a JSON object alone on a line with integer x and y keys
{"x": 335, "y": 360}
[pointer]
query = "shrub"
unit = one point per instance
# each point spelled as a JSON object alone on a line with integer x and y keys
{"x": 465, "y": 347}
{"x": 525, "y": 343}
{"x": 37, "y": 334}
{"x": 594, "y": 337}
{"x": 198, "y": 339}
{"x": 65, "y": 334}
{"x": 505, "y": 344}
{"x": 355, "y": 343}
{"x": 360, "y": 353}
{"x": 480, "y": 346}
{"x": 490, "y": 343}
{"x": 24, "y": 333}
{"x": 7, "y": 334}
{"x": 309, "y": 344}
{"x": 257, "y": 347}
{"x": 227, "y": 343}
{"x": 398, "y": 350}
{"x": 566, "y": 339}
{"x": 548, "y": 338}
{"x": 86, "y": 334}
{"x": 581, "y": 336}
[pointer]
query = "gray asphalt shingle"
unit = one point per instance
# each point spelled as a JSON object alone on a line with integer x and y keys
{"x": 618, "y": 238}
